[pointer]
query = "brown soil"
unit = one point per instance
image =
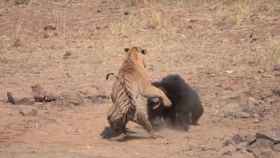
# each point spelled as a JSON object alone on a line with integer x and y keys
{"x": 227, "y": 50}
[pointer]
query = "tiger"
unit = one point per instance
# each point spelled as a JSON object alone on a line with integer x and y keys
{"x": 131, "y": 85}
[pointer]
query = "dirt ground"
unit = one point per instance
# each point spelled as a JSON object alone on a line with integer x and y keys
{"x": 229, "y": 51}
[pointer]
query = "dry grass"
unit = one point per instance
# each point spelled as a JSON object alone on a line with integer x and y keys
{"x": 267, "y": 57}
{"x": 235, "y": 12}
{"x": 150, "y": 17}
{"x": 242, "y": 8}
{"x": 156, "y": 19}
{"x": 179, "y": 3}
{"x": 20, "y": 2}
{"x": 275, "y": 52}
{"x": 4, "y": 60}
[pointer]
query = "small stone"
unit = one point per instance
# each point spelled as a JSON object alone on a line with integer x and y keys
{"x": 26, "y": 111}
{"x": 17, "y": 43}
{"x": 261, "y": 71}
{"x": 276, "y": 67}
{"x": 21, "y": 2}
{"x": 228, "y": 150}
{"x": 10, "y": 97}
{"x": 276, "y": 147}
{"x": 253, "y": 40}
{"x": 41, "y": 95}
{"x": 276, "y": 91}
{"x": 67, "y": 54}
{"x": 229, "y": 153}
{"x": 72, "y": 99}
{"x": 244, "y": 115}
{"x": 125, "y": 13}
{"x": 98, "y": 99}
{"x": 46, "y": 35}
{"x": 253, "y": 101}
{"x": 227, "y": 143}
{"x": 237, "y": 139}
{"x": 229, "y": 71}
{"x": 193, "y": 20}
{"x": 49, "y": 28}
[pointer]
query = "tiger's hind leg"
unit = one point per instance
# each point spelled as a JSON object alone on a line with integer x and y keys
{"x": 118, "y": 127}
{"x": 141, "y": 118}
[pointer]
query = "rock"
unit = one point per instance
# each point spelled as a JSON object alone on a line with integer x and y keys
{"x": 72, "y": 99}
{"x": 23, "y": 101}
{"x": 264, "y": 146}
{"x": 237, "y": 139}
{"x": 254, "y": 102}
{"x": 243, "y": 114}
{"x": 98, "y": 99}
{"x": 234, "y": 110}
{"x": 258, "y": 146}
{"x": 49, "y": 28}
{"x": 28, "y": 111}
{"x": 276, "y": 147}
{"x": 238, "y": 154}
{"x": 46, "y": 35}
{"x": 261, "y": 140}
{"x": 236, "y": 147}
{"x": 276, "y": 67}
{"x": 193, "y": 20}
{"x": 67, "y": 55}
{"x": 11, "y": 98}
{"x": 21, "y": 2}
{"x": 228, "y": 150}
{"x": 276, "y": 91}
{"x": 230, "y": 109}
{"x": 229, "y": 71}
{"x": 41, "y": 95}
{"x": 271, "y": 134}
{"x": 17, "y": 43}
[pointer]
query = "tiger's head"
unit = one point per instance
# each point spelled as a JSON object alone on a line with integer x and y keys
{"x": 136, "y": 55}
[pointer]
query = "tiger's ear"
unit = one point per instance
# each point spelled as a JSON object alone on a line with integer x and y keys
{"x": 144, "y": 51}
{"x": 126, "y": 49}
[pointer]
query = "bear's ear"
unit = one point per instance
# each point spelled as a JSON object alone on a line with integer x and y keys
{"x": 126, "y": 49}
{"x": 144, "y": 51}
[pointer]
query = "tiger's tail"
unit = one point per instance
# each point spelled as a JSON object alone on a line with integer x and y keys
{"x": 110, "y": 74}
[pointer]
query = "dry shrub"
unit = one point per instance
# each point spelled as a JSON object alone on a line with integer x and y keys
{"x": 21, "y": 2}
{"x": 275, "y": 52}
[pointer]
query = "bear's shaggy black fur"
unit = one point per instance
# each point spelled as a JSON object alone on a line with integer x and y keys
{"x": 186, "y": 105}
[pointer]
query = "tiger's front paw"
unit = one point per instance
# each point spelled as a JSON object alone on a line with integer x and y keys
{"x": 167, "y": 102}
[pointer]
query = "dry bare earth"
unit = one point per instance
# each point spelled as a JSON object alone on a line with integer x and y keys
{"x": 225, "y": 49}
